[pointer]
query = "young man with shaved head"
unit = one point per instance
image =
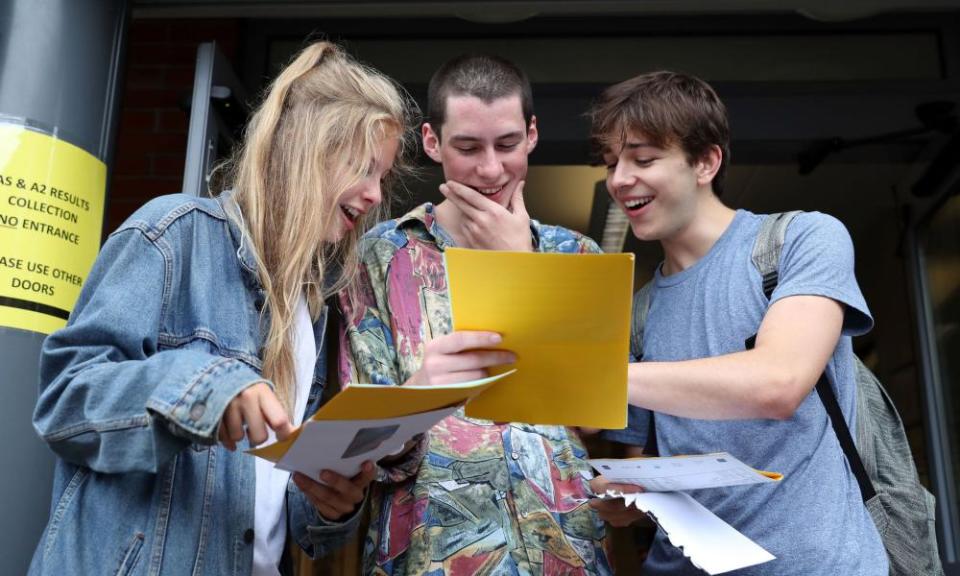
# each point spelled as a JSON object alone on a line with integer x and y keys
{"x": 477, "y": 497}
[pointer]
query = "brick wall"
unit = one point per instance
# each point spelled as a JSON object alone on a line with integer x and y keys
{"x": 158, "y": 81}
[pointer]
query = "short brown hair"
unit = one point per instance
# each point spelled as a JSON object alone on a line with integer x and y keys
{"x": 668, "y": 108}
{"x": 482, "y": 76}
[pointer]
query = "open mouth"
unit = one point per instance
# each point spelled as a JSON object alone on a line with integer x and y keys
{"x": 636, "y": 205}
{"x": 350, "y": 214}
{"x": 491, "y": 191}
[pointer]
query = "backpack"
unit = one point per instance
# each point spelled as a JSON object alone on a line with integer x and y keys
{"x": 902, "y": 509}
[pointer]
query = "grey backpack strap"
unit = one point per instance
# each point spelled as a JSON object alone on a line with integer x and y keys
{"x": 641, "y": 306}
{"x": 767, "y": 248}
{"x": 766, "y": 258}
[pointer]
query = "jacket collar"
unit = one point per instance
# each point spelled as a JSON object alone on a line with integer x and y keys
{"x": 238, "y": 235}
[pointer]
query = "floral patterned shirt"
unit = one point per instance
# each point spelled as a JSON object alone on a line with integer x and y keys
{"x": 478, "y": 497}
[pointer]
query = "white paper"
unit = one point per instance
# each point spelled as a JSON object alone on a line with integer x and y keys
{"x": 680, "y": 472}
{"x": 710, "y": 543}
{"x": 343, "y": 445}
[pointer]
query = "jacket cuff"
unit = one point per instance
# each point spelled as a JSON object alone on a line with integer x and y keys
{"x": 195, "y": 411}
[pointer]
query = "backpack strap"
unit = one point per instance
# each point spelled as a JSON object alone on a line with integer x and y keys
{"x": 641, "y": 307}
{"x": 766, "y": 258}
{"x": 767, "y": 248}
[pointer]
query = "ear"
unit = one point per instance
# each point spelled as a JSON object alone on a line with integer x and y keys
{"x": 532, "y": 134}
{"x": 431, "y": 142}
{"x": 708, "y": 165}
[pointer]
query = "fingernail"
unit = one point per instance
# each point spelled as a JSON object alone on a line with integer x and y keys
{"x": 495, "y": 338}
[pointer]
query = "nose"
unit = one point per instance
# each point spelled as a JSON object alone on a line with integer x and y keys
{"x": 618, "y": 178}
{"x": 373, "y": 194}
{"x": 490, "y": 167}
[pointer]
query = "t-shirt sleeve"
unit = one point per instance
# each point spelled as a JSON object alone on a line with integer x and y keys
{"x": 818, "y": 260}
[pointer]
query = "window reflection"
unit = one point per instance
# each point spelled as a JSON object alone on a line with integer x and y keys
{"x": 942, "y": 247}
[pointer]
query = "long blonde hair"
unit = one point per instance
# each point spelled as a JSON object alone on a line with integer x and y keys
{"x": 313, "y": 137}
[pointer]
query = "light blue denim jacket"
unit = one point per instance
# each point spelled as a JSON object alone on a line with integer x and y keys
{"x": 166, "y": 332}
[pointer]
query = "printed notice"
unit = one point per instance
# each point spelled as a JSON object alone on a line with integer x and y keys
{"x": 51, "y": 217}
{"x": 670, "y": 473}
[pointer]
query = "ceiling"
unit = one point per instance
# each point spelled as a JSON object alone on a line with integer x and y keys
{"x": 511, "y": 11}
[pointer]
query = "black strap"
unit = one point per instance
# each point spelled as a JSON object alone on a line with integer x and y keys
{"x": 829, "y": 399}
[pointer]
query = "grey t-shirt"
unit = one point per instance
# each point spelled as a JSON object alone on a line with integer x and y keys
{"x": 814, "y": 520}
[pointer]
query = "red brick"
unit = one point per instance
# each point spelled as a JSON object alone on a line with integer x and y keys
{"x": 168, "y": 165}
{"x": 128, "y": 163}
{"x": 148, "y": 31}
{"x": 153, "y": 98}
{"x": 138, "y": 120}
{"x": 196, "y": 31}
{"x": 141, "y": 78}
{"x": 162, "y": 54}
{"x": 137, "y": 188}
{"x": 180, "y": 77}
{"x": 173, "y": 120}
{"x": 152, "y": 143}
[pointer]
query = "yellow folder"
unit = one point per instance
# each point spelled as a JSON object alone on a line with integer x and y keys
{"x": 372, "y": 402}
{"x": 566, "y": 316}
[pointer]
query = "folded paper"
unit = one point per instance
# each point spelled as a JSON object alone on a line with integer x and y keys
{"x": 367, "y": 422}
{"x": 566, "y": 316}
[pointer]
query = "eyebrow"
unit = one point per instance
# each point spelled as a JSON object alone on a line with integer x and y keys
{"x": 466, "y": 138}
{"x": 637, "y": 145}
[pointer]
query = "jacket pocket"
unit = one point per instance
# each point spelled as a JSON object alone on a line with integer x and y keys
{"x": 130, "y": 558}
{"x": 63, "y": 505}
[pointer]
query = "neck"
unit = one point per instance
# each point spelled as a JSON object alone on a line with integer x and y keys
{"x": 451, "y": 220}
{"x": 692, "y": 242}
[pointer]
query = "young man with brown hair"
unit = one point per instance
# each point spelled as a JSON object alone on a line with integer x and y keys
{"x": 664, "y": 138}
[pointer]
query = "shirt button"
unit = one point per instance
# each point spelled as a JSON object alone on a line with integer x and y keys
{"x": 515, "y": 455}
{"x": 248, "y": 535}
{"x": 197, "y": 410}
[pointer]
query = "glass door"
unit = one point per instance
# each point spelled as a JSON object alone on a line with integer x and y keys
{"x": 935, "y": 250}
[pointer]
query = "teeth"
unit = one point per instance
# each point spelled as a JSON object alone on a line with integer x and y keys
{"x": 490, "y": 191}
{"x": 351, "y": 212}
{"x": 636, "y": 202}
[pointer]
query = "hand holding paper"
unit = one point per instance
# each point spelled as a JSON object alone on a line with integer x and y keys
{"x": 614, "y": 511}
{"x": 633, "y": 486}
{"x": 460, "y": 357}
{"x": 338, "y": 496}
{"x": 367, "y": 422}
{"x": 567, "y": 318}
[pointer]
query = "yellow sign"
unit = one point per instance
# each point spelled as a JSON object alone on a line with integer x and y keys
{"x": 51, "y": 218}
{"x": 566, "y": 316}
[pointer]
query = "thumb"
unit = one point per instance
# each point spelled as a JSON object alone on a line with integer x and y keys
{"x": 517, "y": 205}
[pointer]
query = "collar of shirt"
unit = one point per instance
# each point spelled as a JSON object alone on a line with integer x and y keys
{"x": 426, "y": 218}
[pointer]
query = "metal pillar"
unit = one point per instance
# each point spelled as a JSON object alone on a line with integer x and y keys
{"x": 60, "y": 63}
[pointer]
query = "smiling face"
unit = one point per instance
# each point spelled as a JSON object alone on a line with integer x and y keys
{"x": 367, "y": 193}
{"x": 483, "y": 146}
{"x": 657, "y": 187}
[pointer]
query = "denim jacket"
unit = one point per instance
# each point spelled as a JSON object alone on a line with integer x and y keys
{"x": 166, "y": 332}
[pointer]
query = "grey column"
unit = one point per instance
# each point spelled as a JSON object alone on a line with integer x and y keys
{"x": 60, "y": 62}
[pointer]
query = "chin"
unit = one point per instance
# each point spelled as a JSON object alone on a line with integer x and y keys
{"x": 644, "y": 233}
